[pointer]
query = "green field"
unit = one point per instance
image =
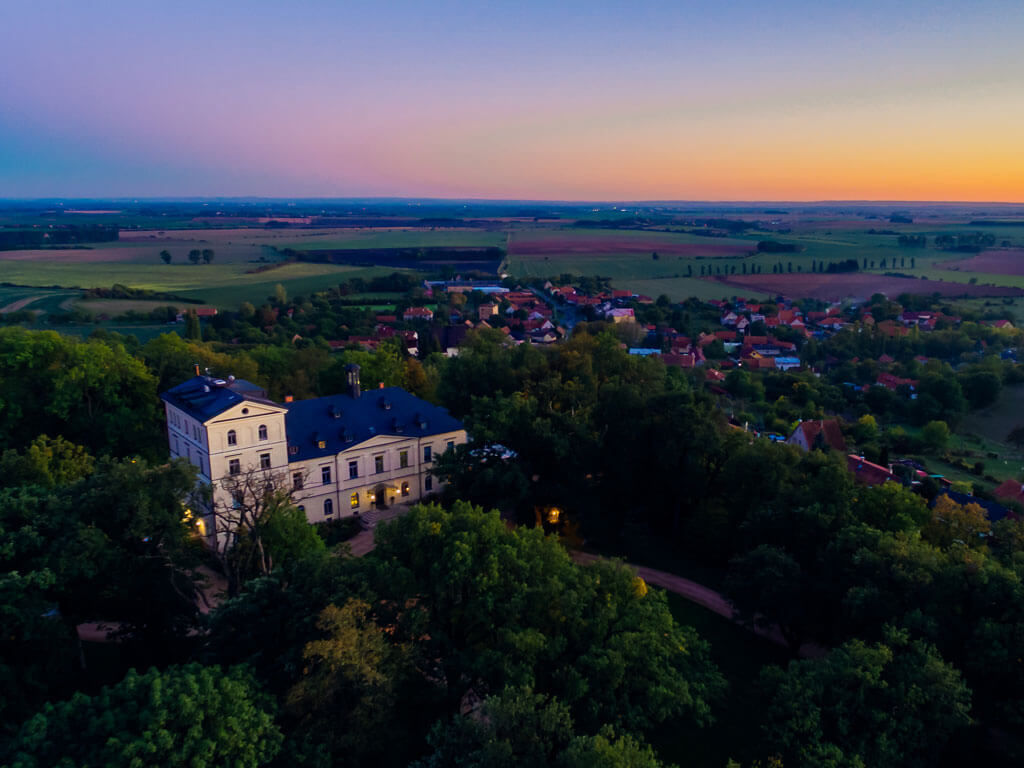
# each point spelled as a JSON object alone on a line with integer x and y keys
{"x": 994, "y": 423}
{"x": 631, "y": 265}
{"x": 222, "y": 285}
{"x": 400, "y": 238}
{"x": 535, "y": 250}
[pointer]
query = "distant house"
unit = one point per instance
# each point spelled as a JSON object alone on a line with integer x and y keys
{"x": 810, "y": 434}
{"x": 893, "y": 382}
{"x": 200, "y": 312}
{"x": 418, "y": 313}
{"x": 621, "y": 316}
{"x": 867, "y": 472}
{"x": 1011, "y": 490}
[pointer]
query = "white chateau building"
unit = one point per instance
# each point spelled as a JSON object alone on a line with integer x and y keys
{"x": 341, "y": 455}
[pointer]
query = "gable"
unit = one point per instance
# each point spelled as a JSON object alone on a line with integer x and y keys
{"x": 255, "y": 410}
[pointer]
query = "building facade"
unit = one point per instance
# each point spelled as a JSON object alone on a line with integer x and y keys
{"x": 339, "y": 456}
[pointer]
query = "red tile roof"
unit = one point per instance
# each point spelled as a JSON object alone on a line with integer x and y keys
{"x": 867, "y": 472}
{"x": 1011, "y": 490}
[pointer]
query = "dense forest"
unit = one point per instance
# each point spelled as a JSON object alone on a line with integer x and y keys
{"x": 469, "y": 636}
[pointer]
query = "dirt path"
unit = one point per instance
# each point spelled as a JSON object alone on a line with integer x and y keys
{"x": 703, "y": 596}
{"x": 14, "y": 306}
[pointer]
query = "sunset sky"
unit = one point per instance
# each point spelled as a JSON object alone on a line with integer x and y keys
{"x": 731, "y": 100}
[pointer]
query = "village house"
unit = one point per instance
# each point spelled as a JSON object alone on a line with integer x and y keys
{"x": 418, "y": 313}
{"x": 810, "y": 434}
{"x": 867, "y": 472}
{"x": 340, "y": 455}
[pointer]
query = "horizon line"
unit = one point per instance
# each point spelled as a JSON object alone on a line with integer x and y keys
{"x": 491, "y": 200}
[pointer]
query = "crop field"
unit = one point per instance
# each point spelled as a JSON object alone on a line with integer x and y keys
{"x": 222, "y": 285}
{"x": 997, "y": 262}
{"x": 397, "y": 238}
{"x": 13, "y": 299}
{"x": 858, "y": 285}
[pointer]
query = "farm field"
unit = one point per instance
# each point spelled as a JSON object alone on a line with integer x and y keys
{"x": 398, "y": 238}
{"x": 997, "y": 262}
{"x": 222, "y": 285}
{"x": 859, "y": 285}
{"x": 13, "y": 299}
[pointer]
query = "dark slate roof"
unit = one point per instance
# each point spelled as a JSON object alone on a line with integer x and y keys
{"x": 344, "y": 422}
{"x": 203, "y": 397}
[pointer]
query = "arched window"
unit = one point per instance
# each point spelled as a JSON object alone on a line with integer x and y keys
{"x": 263, "y": 431}
{"x": 302, "y": 509}
{"x": 232, "y": 437}
{"x": 328, "y": 507}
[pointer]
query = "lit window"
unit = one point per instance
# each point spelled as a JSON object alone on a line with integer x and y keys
{"x": 264, "y": 461}
{"x": 328, "y": 507}
{"x": 378, "y": 464}
{"x": 325, "y": 475}
{"x": 403, "y": 459}
{"x": 428, "y": 483}
{"x": 353, "y": 470}
{"x": 263, "y": 431}
{"x": 232, "y": 437}
{"x": 354, "y": 501}
{"x": 427, "y": 455}
{"x": 234, "y": 467}
{"x": 321, "y": 444}
{"x": 405, "y": 489}
{"x": 297, "y": 481}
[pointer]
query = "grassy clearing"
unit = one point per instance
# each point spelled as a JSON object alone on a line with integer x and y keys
{"x": 994, "y": 423}
{"x": 740, "y": 655}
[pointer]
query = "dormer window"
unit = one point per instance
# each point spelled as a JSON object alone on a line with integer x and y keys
{"x": 232, "y": 437}
{"x": 263, "y": 432}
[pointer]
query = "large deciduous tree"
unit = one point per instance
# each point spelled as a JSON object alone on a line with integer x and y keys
{"x": 889, "y": 704}
{"x": 181, "y": 717}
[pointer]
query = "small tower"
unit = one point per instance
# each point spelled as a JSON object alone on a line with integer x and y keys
{"x": 353, "y": 380}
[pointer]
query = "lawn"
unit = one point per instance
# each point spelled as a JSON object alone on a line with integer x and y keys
{"x": 740, "y": 655}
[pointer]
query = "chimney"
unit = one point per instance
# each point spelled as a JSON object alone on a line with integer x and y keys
{"x": 353, "y": 380}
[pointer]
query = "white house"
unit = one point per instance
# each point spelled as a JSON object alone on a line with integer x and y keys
{"x": 340, "y": 455}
